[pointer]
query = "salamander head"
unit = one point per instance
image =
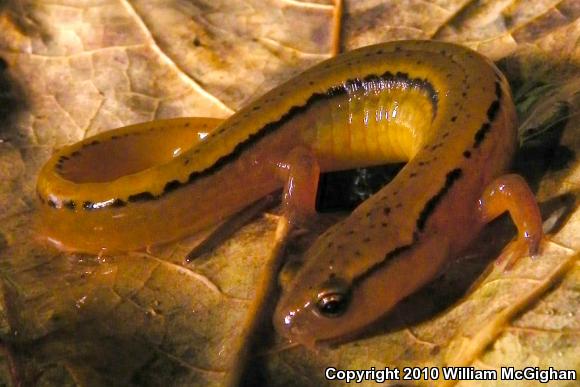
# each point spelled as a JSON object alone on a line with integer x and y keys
{"x": 324, "y": 303}
{"x": 313, "y": 313}
{"x": 346, "y": 286}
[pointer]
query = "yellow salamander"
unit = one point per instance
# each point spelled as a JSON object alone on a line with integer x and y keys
{"x": 442, "y": 108}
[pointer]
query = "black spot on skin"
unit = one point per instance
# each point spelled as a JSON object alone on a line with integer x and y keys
{"x": 379, "y": 52}
{"x": 412, "y": 174}
{"x": 383, "y": 224}
{"x": 341, "y": 88}
{"x": 399, "y": 205}
{"x": 171, "y": 186}
{"x": 187, "y": 125}
{"x": 329, "y": 244}
{"x": 367, "y": 239}
{"x": 432, "y": 203}
{"x": 350, "y": 232}
{"x": 395, "y": 252}
{"x": 372, "y": 78}
{"x": 193, "y": 176}
{"x": 141, "y": 197}
{"x": 115, "y": 137}
{"x": 415, "y": 236}
{"x": 256, "y": 108}
{"x": 357, "y": 253}
{"x": 422, "y": 163}
{"x": 446, "y": 134}
{"x": 92, "y": 143}
{"x": 75, "y": 153}
{"x": 386, "y": 210}
{"x": 492, "y": 111}
{"x": 117, "y": 203}
{"x": 186, "y": 161}
{"x": 467, "y": 154}
{"x": 454, "y": 118}
{"x": 330, "y": 93}
{"x": 480, "y": 134}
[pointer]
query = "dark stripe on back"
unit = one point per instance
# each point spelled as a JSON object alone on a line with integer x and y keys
{"x": 332, "y": 92}
{"x": 432, "y": 203}
{"x": 389, "y": 257}
{"x": 491, "y": 114}
{"x": 397, "y": 80}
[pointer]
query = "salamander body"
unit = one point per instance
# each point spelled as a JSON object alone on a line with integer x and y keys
{"x": 442, "y": 108}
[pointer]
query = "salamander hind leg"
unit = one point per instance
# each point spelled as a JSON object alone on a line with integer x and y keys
{"x": 511, "y": 193}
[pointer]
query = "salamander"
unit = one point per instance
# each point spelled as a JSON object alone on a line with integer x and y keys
{"x": 443, "y": 109}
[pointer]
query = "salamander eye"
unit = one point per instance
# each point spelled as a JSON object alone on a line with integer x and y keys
{"x": 333, "y": 301}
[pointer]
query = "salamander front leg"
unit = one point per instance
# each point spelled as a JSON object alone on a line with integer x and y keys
{"x": 301, "y": 173}
{"x": 511, "y": 193}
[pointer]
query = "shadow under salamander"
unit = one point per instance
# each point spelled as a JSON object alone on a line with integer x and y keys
{"x": 11, "y": 101}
